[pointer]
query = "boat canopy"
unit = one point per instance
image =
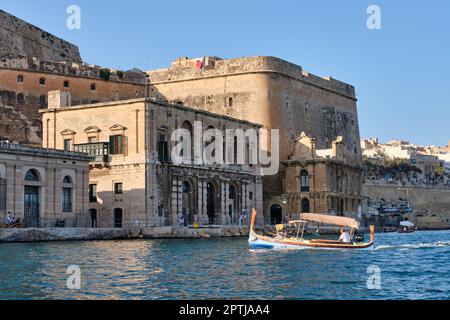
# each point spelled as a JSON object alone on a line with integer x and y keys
{"x": 329, "y": 219}
{"x": 407, "y": 224}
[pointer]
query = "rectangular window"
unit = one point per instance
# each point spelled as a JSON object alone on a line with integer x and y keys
{"x": 118, "y": 188}
{"x": 67, "y": 199}
{"x": 250, "y": 195}
{"x": 67, "y": 144}
{"x": 92, "y": 139}
{"x": 2, "y": 194}
{"x": 93, "y": 193}
{"x": 163, "y": 148}
{"x": 116, "y": 144}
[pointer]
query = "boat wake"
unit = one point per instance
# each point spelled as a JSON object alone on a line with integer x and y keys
{"x": 414, "y": 246}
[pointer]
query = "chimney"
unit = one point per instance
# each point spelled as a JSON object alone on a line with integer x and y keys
{"x": 59, "y": 99}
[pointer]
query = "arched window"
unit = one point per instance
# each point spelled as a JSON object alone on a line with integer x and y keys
{"x": 20, "y": 78}
{"x": 304, "y": 181}
{"x": 230, "y": 102}
{"x": 42, "y": 101}
{"x": 66, "y": 84}
{"x": 188, "y": 141}
{"x": 42, "y": 81}
{"x": 186, "y": 187}
{"x": 67, "y": 179}
{"x": 67, "y": 194}
{"x": 305, "y": 206}
{"x": 93, "y": 87}
{"x": 32, "y": 175}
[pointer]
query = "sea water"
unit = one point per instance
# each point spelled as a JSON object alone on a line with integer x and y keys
{"x": 403, "y": 266}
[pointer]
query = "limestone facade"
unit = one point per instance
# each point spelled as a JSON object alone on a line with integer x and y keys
{"x": 40, "y": 186}
{"x": 273, "y": 92}
{"x": 133, "y": 181}
{"x": 319, "y": 181}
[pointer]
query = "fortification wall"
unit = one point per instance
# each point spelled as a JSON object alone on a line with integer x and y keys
{"x": 20, "y": 101}
{"x": 185, "y": 69}
{"x": 434, "y": 200}
{"x": 269, "y": 91}
{"x": 20, "y": 37}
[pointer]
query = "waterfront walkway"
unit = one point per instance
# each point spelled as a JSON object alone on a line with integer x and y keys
{"x": 84, "y": 234}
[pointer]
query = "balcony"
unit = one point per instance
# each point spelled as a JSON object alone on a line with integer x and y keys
{"x": 98, "y": 150}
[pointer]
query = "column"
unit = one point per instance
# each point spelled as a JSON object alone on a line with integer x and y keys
{"x": 204, "y": 202}
{"x": 174, "y": 202}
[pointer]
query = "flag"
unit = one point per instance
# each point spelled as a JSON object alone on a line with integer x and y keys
{"x": 200, "y": 63}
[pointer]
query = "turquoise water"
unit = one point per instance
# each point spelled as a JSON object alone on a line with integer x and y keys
{"x": 413, "y": 266}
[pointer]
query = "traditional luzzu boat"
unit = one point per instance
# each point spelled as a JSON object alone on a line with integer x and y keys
{"x": 297, "y": 241}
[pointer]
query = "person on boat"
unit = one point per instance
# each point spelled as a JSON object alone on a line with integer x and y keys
{"x": 345, "y": 237}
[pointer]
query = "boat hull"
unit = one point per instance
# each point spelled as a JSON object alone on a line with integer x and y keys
{"x": 257, "y": 241}
{"x": 263, "y": 242}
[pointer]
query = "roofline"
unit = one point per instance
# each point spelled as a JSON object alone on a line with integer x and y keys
{"x": 43, "y": 152}
{"x": 70, "y": 75}
{"x": 151, "y": 100}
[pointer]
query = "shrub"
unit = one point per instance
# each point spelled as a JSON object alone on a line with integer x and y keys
{"x": 105, "y": 74}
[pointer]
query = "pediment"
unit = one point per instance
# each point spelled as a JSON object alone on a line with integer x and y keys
{"x": 67, "y": 132}
{"x": 117, "y": 127}
{"x": 92, "y": 129}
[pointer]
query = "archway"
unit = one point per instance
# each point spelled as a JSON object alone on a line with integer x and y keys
{"x": 305, "y": 206}
{"x": 118, "y": 218}
{"x": 211, "y": 202}
{"x": 31, "y": 199}
{"x": 233, "y": 207}
{"x": 276, "y": 214}
{"x": 188, "y": 203}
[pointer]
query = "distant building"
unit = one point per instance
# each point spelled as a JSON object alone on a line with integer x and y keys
{"x": 43, "y": 186}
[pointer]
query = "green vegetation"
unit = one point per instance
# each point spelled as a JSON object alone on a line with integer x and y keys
{"x": 119, "y": 74}
{"x": 105, "y": 74}
{"x": 394, "y": 166}
{"x": 439, "y": 171}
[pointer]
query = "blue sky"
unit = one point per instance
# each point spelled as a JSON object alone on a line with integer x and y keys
{"x": 401, "y": 72}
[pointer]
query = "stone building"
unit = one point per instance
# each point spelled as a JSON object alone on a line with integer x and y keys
{"x": 276, "y": 94}
{"x": 33, "y": 62}
{"x": 317, "y": 180}
{"x": 41, "y": 186}
{"x": 133, "y": 180}
{"x": 264, "y": 90}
